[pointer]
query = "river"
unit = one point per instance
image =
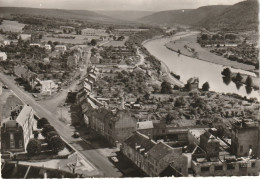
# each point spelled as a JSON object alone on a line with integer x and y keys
{"x": 188, "y": 67}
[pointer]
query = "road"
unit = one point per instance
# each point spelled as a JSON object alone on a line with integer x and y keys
{"x": 106, "y": 168}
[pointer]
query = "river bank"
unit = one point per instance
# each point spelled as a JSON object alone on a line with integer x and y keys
{"x": 188, "y": 46}
{"x": 187, "y": 67}
{"x": 165, "y": 70}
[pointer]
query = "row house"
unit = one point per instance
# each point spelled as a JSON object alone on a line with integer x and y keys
{"x": 153, "y": 158}
{"x": 24, "y": 73}
{"x": 17, "y": 130}
{"x": 115, "y": 126}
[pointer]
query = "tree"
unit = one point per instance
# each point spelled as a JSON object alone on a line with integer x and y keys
{"x": 166, "y": 88}
{"x": 170, "y": 117}
{"x": 238, "y": 78}
{"x": 226, "y": 72}
{"x": 249, "y": 81}
{"x": 35, "y": 134}
{"x": 205, "y": 86}
{"x": 33, "y": 147}
{"x": 46, "y": 129}
{"x": 56, "y": 144}
{"x": 179, "y": 102}
{"x": 93, "y": 42}
{"x": 41, "y": 122}
{"x": 50, "y": 135}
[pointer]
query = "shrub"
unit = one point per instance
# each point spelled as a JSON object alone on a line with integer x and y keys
{"x": 50, "y": 135}
{"x": 46, "y": 129}
{"x": 249, "y": 81}
{"x": 34, "y": 147}
{"x": 36, "y": 134}
{"x": 166, "y": 88}
{"x": 56, "y": 144}
{"x": 41, "y": 122}
{"x": 180, "y": 102}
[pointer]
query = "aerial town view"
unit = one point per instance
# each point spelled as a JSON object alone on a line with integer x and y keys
{"x": 141, "y": 88}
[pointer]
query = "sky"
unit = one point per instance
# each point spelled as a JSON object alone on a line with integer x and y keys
{"x": 148, "y": 5}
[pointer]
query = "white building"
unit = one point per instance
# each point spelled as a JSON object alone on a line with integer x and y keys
{"x": 25, "y": 36}
{"x": 46, "y": 86}
{"x": 62, "y": 48}
{"x": 35, "y": 44}
{"x": 3, "y": 56}
{"x": 47, "y": 47}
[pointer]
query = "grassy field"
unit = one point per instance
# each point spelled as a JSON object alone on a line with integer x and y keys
{"x": 203, "y": 53}
{"x": 12, "y": 26}
{"x": 116, "y": 43}
{"x": 79, "y": 39}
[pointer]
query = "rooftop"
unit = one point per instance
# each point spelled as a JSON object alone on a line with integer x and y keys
{"x": 140, "y": 141}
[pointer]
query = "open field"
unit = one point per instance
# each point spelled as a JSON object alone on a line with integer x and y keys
{"x": 64, "y": 38}
{"x": 202, "y": 53}
{"x": 116, "y": 43}
{"x": 12, "y": 26}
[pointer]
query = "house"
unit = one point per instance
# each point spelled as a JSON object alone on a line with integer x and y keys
{"x": 72, "y": 61}
{"x": 25, "y": 37}
{"x": 145, "y": 127}
{"x": 9, "y": 42}
{"x": 46, "y": 61}
{"x": 35, "y": 45}
{"x": 151, "y": 157}
{"x": 217, "y": 159}
{"x": 47, "y": 47}
{"x": 115, "y": 126}
{"x": 3, "y": 56}
{"x": 46, "y": 86}
{"x": 24, "y": 73}
{"x": 94, "y": 59}
{"x": 61, "y": 48}
{"x": 244, "y": 137}
{"x": 193, "y": 83}
{"x": 17, "y": 130}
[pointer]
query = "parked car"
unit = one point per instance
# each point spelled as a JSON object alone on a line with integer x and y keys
{"x": 5, "y": 87}
{"x": 76, "y": 135}
{"x": 35, "y": 95}
{"x": 114, "y": 159}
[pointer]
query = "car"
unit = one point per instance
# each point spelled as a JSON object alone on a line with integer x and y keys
{"x": 35, "y": 95}
{"x": 5, "y": 87}
{"x": 114, "y": 159}
{"x": 76, "y": 135}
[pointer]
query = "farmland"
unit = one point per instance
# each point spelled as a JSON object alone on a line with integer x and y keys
{"x": 12, "y": 26}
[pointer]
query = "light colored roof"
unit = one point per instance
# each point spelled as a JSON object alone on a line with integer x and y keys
{"x": 145, "y": 125}
{"x": 197, "y": 132}
{"x": 24, "y": 114}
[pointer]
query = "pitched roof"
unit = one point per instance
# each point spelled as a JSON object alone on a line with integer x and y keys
{"x": 24, "y": 114}
{"x": 138, "y": 139}
{"x": 170, "y": 171}
{"x": 160, "y": 150}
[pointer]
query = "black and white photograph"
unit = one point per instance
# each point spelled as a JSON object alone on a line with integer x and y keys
{"x": 129, "y": 88}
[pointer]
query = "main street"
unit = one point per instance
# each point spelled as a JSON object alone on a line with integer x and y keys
{"x": 106, "y": 168}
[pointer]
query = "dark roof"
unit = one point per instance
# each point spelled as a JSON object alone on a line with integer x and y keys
{"x": 159, "y": 151}
{"x": 170, "y": 171}
{"x": 138, "y": 139}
